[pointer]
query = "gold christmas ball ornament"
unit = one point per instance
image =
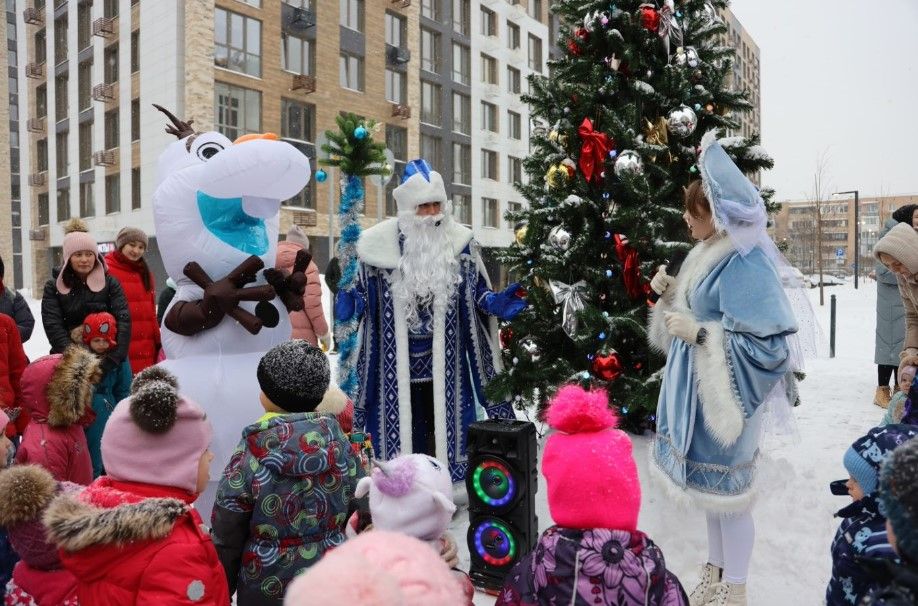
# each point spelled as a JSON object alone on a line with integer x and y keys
{"x": 656, "y": 132}
{"x": 520, "y": 233}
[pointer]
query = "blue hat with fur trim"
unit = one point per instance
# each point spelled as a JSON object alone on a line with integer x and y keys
{"x": 868, "y": 453}
{"x": 420, "y": 185}
{"x": 736, "y": 203}
{"x": 898, "y": 496}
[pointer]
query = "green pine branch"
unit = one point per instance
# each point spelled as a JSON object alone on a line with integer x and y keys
{"x": 355, "y": 156}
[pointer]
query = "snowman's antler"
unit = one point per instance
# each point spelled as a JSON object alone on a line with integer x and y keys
{"x": 179, "y": 128}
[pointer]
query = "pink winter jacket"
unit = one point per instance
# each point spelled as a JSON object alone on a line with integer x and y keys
{"x": 310, "y": 323}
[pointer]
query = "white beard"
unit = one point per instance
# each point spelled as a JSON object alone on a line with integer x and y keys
{"x": 428, "y": 269}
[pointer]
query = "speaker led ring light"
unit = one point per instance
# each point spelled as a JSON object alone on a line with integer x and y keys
{"x": 493, "y": 483}
{"x": 494, "y": 543}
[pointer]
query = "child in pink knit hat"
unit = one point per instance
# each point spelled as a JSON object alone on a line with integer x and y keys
{"x": 595, "y": 554}
{"x": 378, "y": 568}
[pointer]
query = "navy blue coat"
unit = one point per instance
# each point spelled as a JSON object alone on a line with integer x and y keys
{"x": 898, "y": 584}
{"x": 861, "y": 535}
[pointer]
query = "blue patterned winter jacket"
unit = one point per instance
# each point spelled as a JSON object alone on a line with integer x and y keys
{"x": 861, "y": 535}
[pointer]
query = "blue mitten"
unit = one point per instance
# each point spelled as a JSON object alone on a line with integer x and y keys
{"x": 348, "y": 304}
{"x": 506, "y": 305}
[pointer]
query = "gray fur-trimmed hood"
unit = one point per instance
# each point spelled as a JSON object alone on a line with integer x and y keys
{"x": 74, "y": 524}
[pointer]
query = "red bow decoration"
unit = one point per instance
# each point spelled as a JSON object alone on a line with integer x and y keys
{"x": 594, "y": 150}
{"x": 631, "y": 268}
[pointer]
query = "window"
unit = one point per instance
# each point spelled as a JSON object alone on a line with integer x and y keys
{"x": 535, "y": 9}
{"x": 350, "y": 73}
{"x": 514, "y": 170}
{"x": 396, "y": 30}
{"x": 43, "y": 209}
{"x": 462, "y": 114}
{"x": 11, "y": 58}
{"x": 238, "y": 110}
{"x": 255, "y": 3}
{"x": 462, "y": 164}
{"x": 462, "y": 64}
{"x": 112, "y": 194}
{"x": 87, "y": 203}
{"x": 396, "y": 87}
{"x": 237, "y": 42}
{"x": 135, "y": 188}
{"x": 84, "y": 25}
{"x": 41, "y": 50}
{"x": 85, "y": 141}
{"x": 488, "y": 69}
{"x": 110, "y": 8}
{"x": 41, "y": 101}
{"x": 488, "y": 22}
{"x": 60, "y": 97}
{"x": 514, "y": 125}
{"x": 351, "y": 12}
{"x": 41, "y": 155}
{"x": 513, "y": 36}
{"x": 462, "y": 17}
{"x": 111, "y": 64}
{"x": 60, "y": 40}
{"x": 60, "y": 146}
{"x": 490, "y": 209}
{"x": 135, "y": 51}
{"x": 297, "y": 55}
{"x": 430, "y": 103}
{"x": 111, "y": 129}
{"x": 84, "y": 85}
{"x": 489, "y": 164}
{"x": 513, "y": 207}
{"x": 63, "y": 204}
{"x": 535, "y": 53}
{"x": 432, "y": 150}
{"x": 298, "y": 129}
{"x": 489, "y": 117}
{"x": 462, "y": 209}
{"x": 397, "y": 142}
{"x": 430, "y": 51}
{"x": 431, "y": 9}
{"x": 513, "y": 80}
{"x": 135, "y": 120}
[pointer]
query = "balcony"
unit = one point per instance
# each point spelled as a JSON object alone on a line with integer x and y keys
{"x": 304, "y": 217}
{"x": 103, "y": 92}
{"x": 35, "y": 70}
{"x": 396, "y": 55}
{"x": 35, "y": 125}
{"x": 401, "y": 111}
{"x": 401, "y": 3}
{"x": 104, "y": 27}
{"x": 297, "y": 20}
{"x": 304, "y": 84}
{"x": 105, "y": 158}
{"x": 38, "y": 235}
{"x": 38, "y": 179}
{"x": 33, "y": 16}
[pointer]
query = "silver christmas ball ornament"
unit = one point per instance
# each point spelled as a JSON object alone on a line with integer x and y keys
{"x": 628, "y": 162}
{"x": 531, "y": 349}
{"x": 682, "y": 121}
{"x": 687, "y": 56}
{"x": 560, "y": 238}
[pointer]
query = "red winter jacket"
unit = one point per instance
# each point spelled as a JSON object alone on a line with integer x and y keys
{"x": 57, "y": 394}
{"x": 309, "y": 324}
{"x": 34, "y": 587}
{"x": 145, "y": 341}
{"x": 12, "y": 362}
{"x": 131, "y": 544}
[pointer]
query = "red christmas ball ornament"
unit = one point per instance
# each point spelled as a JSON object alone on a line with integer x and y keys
{"x": 607, "y": 366}
{"x": 582, "y": 33}
{"x": 649, "y": 16}
{"x": 573, "y": 48}
{"x": 505, "y": 335}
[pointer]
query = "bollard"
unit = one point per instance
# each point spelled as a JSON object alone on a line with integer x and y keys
{"x": 832, "y": 326}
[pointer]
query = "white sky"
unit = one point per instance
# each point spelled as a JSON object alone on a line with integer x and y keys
{"x": 838, "y": 76}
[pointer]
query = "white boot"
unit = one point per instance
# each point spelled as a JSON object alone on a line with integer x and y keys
{"x": 710, "y": 574}
{"x": 728, "y": 594}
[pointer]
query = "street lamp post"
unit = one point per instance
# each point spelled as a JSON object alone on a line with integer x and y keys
{"x": 857, "y": 231}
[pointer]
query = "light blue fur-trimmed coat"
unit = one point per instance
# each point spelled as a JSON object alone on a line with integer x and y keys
{"x": 709, "y": 411}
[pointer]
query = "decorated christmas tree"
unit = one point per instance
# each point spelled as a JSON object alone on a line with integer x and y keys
{"x": 622, "y": 118}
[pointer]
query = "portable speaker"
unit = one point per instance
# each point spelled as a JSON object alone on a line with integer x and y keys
{"x": 501, "y": 482}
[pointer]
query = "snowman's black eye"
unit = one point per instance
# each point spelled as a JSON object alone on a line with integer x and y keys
{"x": 209, "y": 150}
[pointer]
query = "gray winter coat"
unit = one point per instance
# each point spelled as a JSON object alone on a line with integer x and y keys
{"x": 890, "y": 333}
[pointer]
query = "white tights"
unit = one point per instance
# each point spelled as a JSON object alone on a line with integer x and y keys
{"x": 730, "y": 540}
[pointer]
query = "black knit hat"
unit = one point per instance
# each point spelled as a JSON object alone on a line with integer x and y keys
{"x": 294, "y": 375}
{"x": 898, "y": 497}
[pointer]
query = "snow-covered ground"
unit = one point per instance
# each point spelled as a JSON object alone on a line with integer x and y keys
{"x": 794, "y": 523}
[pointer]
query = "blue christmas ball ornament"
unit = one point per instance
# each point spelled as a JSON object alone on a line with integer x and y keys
{"x": 698, "y": 107}
{"x": 602, "y": 336}
{"x": 585, "y": 375}
{"x": 608, "y": 273}
{"x": 321, "y": 176}
{"x": 360, "y": 132}
{"x": 624, "y": 410}
{"x": 612, "y": 153}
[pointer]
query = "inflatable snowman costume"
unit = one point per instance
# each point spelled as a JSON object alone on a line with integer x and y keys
{"x": 216, "y": 210}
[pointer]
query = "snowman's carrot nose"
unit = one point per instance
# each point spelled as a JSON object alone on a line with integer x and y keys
{"x": 254, "y": 136}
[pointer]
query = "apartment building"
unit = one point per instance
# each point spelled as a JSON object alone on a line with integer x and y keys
{"x": 746, "y": 72}
{"x": 10, "y": 207}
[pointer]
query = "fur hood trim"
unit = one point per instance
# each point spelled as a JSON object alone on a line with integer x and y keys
{"x": 70, "y": 388}
{"x": 379, "y": 245}
{"x": 75, "y": 525}
{"x": 334, "y": 401}
{"x": 25, "y": 490}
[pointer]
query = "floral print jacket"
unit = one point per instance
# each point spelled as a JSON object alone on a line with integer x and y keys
{"x": 592, "y": 567}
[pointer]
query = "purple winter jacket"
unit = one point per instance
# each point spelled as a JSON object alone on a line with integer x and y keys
{"x": 603, "y": 567}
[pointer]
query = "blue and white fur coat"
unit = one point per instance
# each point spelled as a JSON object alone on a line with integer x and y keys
{"x": 710, "y": 409}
